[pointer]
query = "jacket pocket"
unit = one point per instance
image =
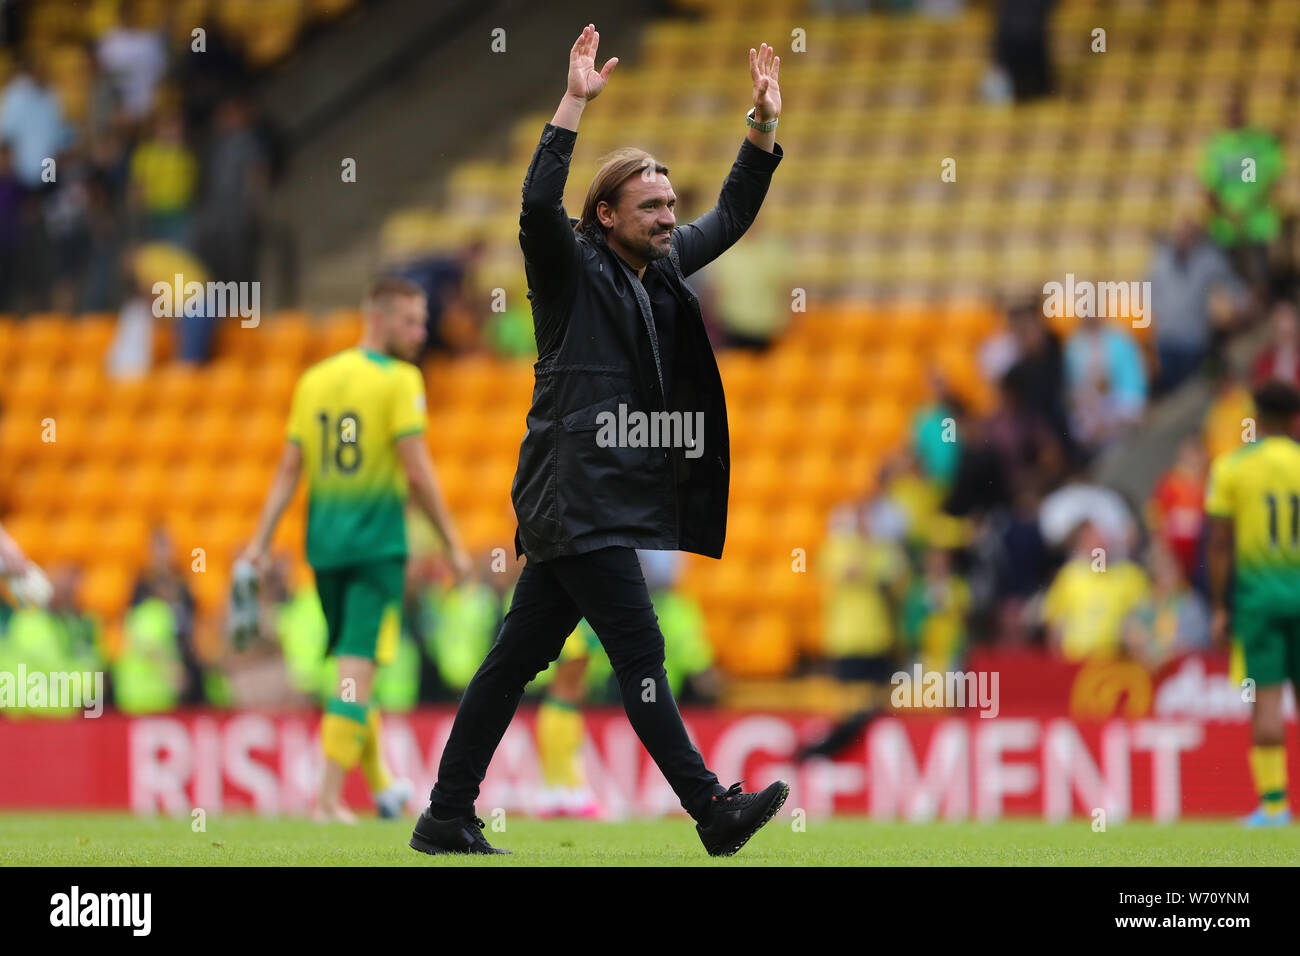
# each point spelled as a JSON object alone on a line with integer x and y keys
{"x": 606, "y": 484}
{"x": 588, "y": 419}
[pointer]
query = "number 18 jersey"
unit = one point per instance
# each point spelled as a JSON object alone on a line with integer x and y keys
{"x": 348, "y": 413}
{"x": 1258, "y": 487}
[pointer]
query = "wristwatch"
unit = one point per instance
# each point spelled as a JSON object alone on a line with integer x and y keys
{"x": 761, "y": 127}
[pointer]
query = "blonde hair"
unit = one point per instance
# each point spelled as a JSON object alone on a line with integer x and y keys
{"x": 383, "y": 290}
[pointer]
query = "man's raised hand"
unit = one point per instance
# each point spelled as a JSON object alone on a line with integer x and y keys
{"x": 764, "y": 65}
{"x": 584, "y": 82}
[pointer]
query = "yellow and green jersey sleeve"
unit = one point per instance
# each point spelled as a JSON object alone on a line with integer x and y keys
{"x": 348, "y": 413}
{"x": 1257, "y": 487}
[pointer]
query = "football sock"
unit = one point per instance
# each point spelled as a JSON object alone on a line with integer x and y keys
{"x": 560, "y": 730}
{"x": 1268, "y": 767}
{"x": 373, "y": 767}
{"x": 343, "y": 732}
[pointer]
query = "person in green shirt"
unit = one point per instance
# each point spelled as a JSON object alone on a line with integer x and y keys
{"x": 1240, "y": 169}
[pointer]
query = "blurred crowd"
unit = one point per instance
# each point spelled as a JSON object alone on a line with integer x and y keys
{"x": 157, "y": 657}
{"x": 989, "y": 527}
{"x": 166, "y": 170}
{"x": 478, "y": 294}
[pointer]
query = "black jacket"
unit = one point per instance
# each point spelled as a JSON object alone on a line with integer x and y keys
{"x": 597, "y": 350}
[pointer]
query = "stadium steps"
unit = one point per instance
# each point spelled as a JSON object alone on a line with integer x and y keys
{"x": 408, "y": 132}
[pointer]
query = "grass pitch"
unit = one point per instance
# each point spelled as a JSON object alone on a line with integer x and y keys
{"x": 53, "y": 839}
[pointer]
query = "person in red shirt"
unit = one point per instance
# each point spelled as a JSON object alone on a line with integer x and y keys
{"x": 1175, "y": 513}
{"x": 1280, "y": 360}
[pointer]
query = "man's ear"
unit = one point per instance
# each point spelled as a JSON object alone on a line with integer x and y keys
{"x": 605, "y": 214}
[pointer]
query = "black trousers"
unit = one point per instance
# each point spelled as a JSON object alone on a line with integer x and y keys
{"x": 608, "y": 589}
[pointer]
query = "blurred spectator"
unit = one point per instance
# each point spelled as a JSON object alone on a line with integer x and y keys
{"x": 31, "y": 122}
{"x": 1176, "y": 512}
{"x": 1023, "y": 566}
{"x": 1031, "y": 354}
{"x": 1106, "y": 382}
{"x": 1240, "y": 168}
{"x": 457, "y": 626}
{"x": 751, "y": 288}
{"x": 164, "y": 174}
{"x": 1231, "y": 413}
{"x": 934, "y": 614}
{"x": 934, "y": 435}
{"x": 103, "y": 283}
{"x": 687, "y": 651}
{"x": 67, "y": 227}
{"x": 61, "y": 638}
{"x": 981, "y": 484}
{"x": 1022, "y": 437}
{"x": 1280, "y": 358}
{"x": 149, "y": 673}
{"x": 1021, "y": 48}
{"x": 1067, "y": 507}
{"x": 908, "y": 504}
{"x": 1186, "y": 271}
{"x": 510, "y": 333}
{"x": 147, "y": 265}
{"x": 455, "y": 319}
{"x": 865, "y": 580}
{"x": 299, "y": 624}
{"x": 207, "y": 77}
{"x": 104, "y": 117}
{"x": 1091, "y": 597}
{"x": 11, "y": 205}
{"x": 130, "y": 354}
{"x": 997, "y": 353}
{"x": 492, "y": 303}
{"x": 236, "y": 182}
{"x": 261, "y": 674}
{"x": 1172, "y": 620}
{"x": 134, "y": 54}
{"x": 161, "y": 580}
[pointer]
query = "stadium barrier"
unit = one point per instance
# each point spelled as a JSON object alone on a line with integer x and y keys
{"x": 1181, "y": 752}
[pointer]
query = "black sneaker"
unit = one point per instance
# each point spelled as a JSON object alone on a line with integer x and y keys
{"x": 737, "y": 816}
{"x": 460, "y": 835}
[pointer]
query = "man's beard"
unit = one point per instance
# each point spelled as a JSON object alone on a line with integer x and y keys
{"x": 655, "y": 248}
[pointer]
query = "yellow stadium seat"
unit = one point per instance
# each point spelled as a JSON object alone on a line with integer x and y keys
{"x": 762, "y": 646}
{"x": 287, "y": 337}
{"x": 106, "y": 590}
{"x": 226, "y": 384}
{"x": 122, "y": 537}
{"x": 883, "y": 426}
{"x": 48, "y": 338}
{"x": 33, "y": 388}
{"x": 20, "y": 437}
{"x": 215, "y": 435}
{"x": 84, "y": 387}
{"x": 144, "y": 485}
{"x": 177, "y": 387}
{"x": 164, "y": 436}
{"x": 71, "y": 538}
{"x": 340, "y": 330}
{"x": 898, "y": 373}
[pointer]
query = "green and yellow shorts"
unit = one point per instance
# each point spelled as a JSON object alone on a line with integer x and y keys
{"x": 1271, "y": 645}
{"x": 363, "y": 608}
